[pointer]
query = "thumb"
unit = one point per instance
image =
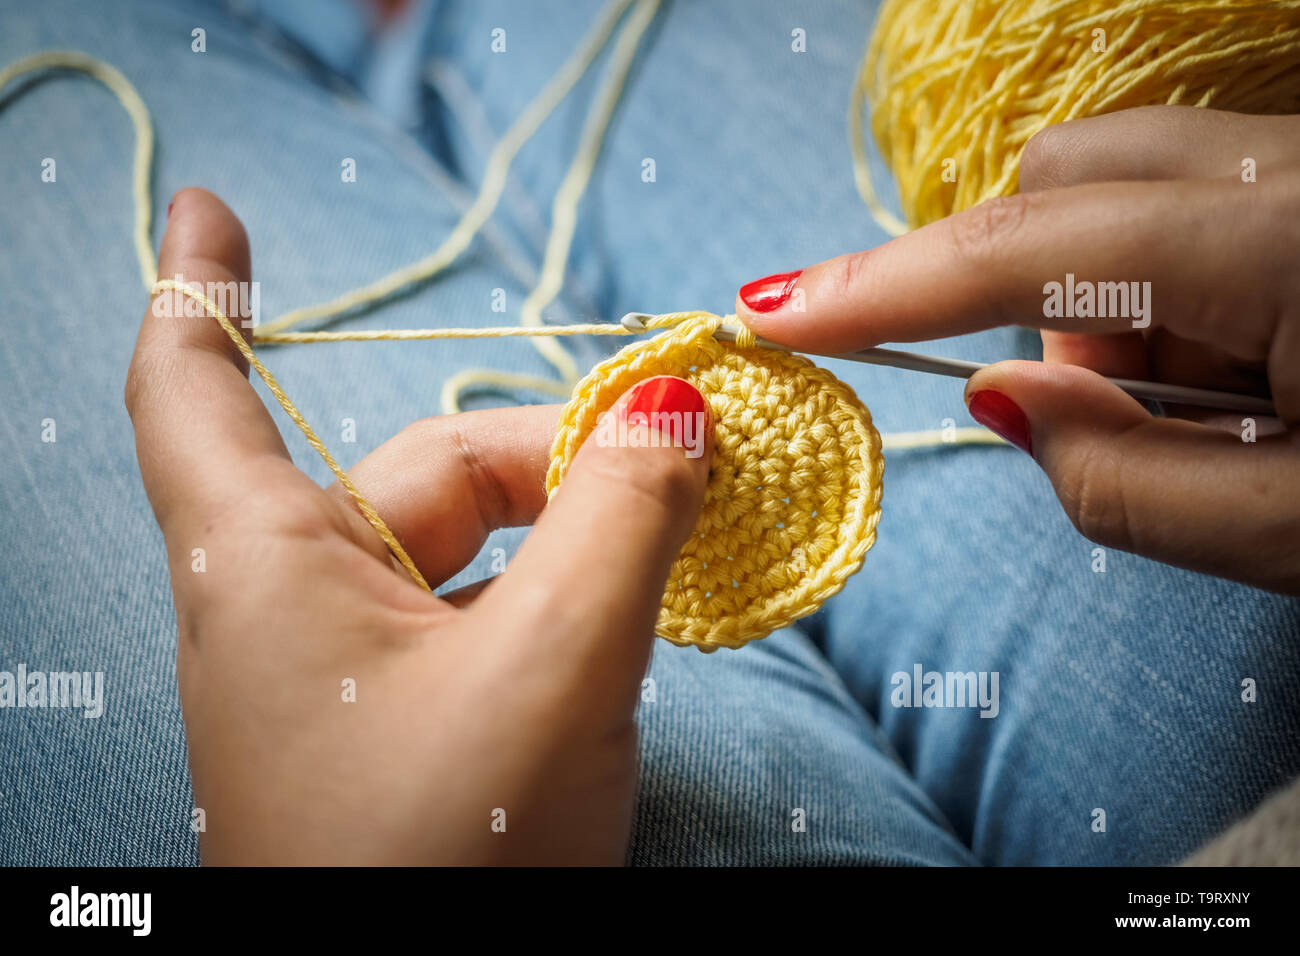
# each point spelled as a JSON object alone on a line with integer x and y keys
{"x": 584, "y": 591}
{"x": 1164, "y": 488}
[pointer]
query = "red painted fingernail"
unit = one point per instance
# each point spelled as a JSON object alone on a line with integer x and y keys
{"x": 670, "y": 405}
{"x": 169, "y": 209}
{"x": 770, "y": 293}
{"x": 1001, "y": 415}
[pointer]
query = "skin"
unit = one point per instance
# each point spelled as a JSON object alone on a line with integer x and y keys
{"x": 517, "y": 696}
{"x": 1153, "y": 194}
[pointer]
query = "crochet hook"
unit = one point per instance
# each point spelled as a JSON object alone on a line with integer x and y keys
{"x": 958, "y": 368}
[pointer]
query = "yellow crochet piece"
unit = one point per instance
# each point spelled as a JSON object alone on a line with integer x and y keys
{"x": 794, "y": 494}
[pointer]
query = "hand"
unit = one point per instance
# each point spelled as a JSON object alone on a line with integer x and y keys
{"x": 520, "y": 697}
{"x": 1154, "y": 195}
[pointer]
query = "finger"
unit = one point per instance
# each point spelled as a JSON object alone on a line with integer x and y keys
{"x": 199, "y": 426}
{"x": 584, "y": 591}
{"x": 443, "y": 484}
{"x": 1181, "y": 362}
{"x": 1157, "y": 142}
{"x": 1174, "y": 491}
{"x": 1162, "y": 357}
{"x": 1148, "y": 143}
{"x": 1119, "y": 356}
{"x": 1021, "y": 259}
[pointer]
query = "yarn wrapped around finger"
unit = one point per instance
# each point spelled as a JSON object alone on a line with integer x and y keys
{"x": 793, "y": 498}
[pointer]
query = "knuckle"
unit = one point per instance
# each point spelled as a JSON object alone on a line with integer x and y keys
{"x": 662, "y": 478}
{"x": 490, "y": 496}
{"x": 142, "y": 384}
{"x": 1091, "y": 490}
{"x": 852, "y": 273}
{"x": 1045, "y": 158}
{"x": 132, "y": 389}
{"x": 980, "y": 234}
{"x": 466, "y": 465}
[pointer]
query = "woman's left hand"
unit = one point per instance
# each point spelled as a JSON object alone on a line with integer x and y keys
{"x": 337, "y": 713}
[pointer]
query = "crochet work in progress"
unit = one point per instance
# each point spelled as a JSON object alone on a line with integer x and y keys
{"x": 794, "y": 493}
{"x": 794, "y": 497}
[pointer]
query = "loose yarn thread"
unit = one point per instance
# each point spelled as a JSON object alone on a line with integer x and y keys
{"x": 120, "y": 87}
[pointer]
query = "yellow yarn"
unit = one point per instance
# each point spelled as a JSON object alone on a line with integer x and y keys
{"x": 968, "y": 82}
{"x": 120, "y": 87}
{"x": 794, "y": 493}
{"x": 498, "y": 168}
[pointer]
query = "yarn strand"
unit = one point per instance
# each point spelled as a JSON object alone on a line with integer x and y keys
{"x": 363, "y": 505}
{"x": 120, "y": 87}
{"x": 564, "y": 216}
{"x": 493, "y": 185}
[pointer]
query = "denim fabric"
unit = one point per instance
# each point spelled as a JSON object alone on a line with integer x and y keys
{"x": 1119, "y": 691}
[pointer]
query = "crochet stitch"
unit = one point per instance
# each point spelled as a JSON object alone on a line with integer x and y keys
{"x": 794, "y": 493}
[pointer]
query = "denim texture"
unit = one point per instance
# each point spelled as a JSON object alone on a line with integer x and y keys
{"x": 1118, "y": 690}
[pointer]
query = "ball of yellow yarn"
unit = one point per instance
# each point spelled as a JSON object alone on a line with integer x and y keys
{"x": 794, "y": 493}
{"x": 959, "y": 86}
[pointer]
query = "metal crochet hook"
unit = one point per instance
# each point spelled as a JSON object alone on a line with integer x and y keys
{"x": 957, "y": 368}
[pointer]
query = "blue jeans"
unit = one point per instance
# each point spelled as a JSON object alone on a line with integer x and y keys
{"x": 1118, "y": 733}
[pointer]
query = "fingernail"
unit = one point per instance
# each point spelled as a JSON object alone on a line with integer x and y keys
{"x": 169, "y": 209}
{"x": 770, "y": 293}
{"x": 1002, "y": 416}
{"x": 673, "y": 406}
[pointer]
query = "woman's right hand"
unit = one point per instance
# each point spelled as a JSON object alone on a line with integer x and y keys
{"x": 1205, "y": 207}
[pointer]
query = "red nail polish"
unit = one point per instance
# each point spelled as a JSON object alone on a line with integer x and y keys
{"x": 169, "y": 209}
{"x": 1001, "y": 415}
{"x": 670, "y": 405}
{"x": 770, "y": 293}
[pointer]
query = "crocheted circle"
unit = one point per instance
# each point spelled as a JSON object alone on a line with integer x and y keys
{"x": 794, "y": 492}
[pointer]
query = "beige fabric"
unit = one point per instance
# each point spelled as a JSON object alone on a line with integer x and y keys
{"x": 1268, "y": 837}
